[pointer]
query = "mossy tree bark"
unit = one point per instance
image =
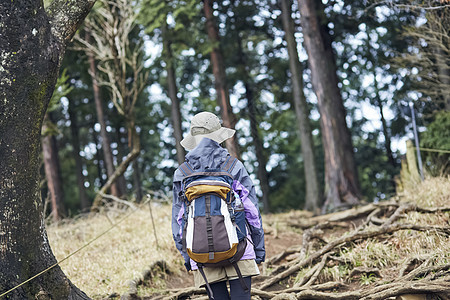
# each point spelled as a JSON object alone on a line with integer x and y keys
{"x": 32, "y": 44}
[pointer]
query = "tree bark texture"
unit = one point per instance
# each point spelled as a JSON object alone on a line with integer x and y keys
{"x": 313, "y": 194}
{"x": 74, "y": 129}
{"x": 105, "y": 142}
{"x": 52, "y": 171}
{"x": 217, "y": 61}
{"x": 32, "y": 44}
{"x": 341, "y": 179}
{"x": 173, "y": 91}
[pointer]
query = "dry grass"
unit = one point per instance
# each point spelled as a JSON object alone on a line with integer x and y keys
{"x": 122, "y": 254}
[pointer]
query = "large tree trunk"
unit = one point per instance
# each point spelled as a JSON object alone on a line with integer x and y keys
{"x": 52, "y": 170}
{"x": 223, "y": 97}
{"x": 74, "y": 129}
{"x": 32, "y": 43}
{"x": 341, "y": 180}
{"x": 173, "y": 90}
{"x": 105, "y": 141}
{"x": 313, "y": 194}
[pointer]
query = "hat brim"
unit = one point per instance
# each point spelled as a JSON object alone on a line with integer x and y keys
{"x": 190, "y": 142}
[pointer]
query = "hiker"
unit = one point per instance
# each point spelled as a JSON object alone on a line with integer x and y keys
{"x": 207, "y": 155}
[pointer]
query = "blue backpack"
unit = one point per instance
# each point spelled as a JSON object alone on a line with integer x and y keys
{"x": 214, "y": 225}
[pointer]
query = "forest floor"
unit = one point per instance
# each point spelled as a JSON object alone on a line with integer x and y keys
{"x": 390, "y": 250}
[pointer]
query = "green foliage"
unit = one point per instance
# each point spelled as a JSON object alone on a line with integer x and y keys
{"x": 437, "y": 137}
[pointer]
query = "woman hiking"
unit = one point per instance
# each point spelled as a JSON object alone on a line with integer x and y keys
{"x": 213, "y": 192}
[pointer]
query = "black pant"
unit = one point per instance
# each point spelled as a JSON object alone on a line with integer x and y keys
{"x": 237, "y": 292}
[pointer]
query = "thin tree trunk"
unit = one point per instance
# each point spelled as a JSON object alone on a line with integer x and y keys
{"x": 313, "y": 194}
{"x": 173, "y": 91}
{"x": 223, "y": 97}
{"x": 443, "y": 70}
{"x": 379, "y": 103}
{"x": 121, "y": 182}
{"x": 105, "y": 142}
{"x": 53, "y": 171}
{"x": 137, "y": 181}
{"x": 259, "y": 149}
{"x": 99, "y": 157}
{"x": 341, "y": 179}
{"x": 84, "y": 201}
{"x": 387, "y": 136}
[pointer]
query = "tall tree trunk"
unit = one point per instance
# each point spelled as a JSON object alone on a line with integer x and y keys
{"x": 32, "y": 43}
{"x": 84, "y": 201}
{"x": 443, "y": 72}
{"x": 121, "y": 181}
{"x": 105, "y": 142}
{"x": 52, "y": 170}
{"x": 137, "y": 181}
{"x": 173, "y": 90}
{"x": 99, "y": 158}
{"x": 341, "y": 179}
{"x": 223, "y": 97}
{"x": 259, "y": 149}
{"x": 313, "y": 194}
{"x": 387, "y": 136}
{"x": 251, "y": 106}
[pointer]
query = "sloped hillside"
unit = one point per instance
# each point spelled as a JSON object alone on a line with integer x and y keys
{"x": 375, "y": 251}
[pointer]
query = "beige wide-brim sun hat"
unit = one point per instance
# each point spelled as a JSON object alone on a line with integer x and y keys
{"x": 206, "y": 125}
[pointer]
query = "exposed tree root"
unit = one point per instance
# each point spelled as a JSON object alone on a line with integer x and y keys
{"x": 356, "y": 235}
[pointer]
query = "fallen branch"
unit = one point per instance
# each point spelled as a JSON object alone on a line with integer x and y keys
{"x": 117, "y": 199}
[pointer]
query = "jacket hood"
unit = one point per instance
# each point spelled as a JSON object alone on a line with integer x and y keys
{"x": 208, "y": 154}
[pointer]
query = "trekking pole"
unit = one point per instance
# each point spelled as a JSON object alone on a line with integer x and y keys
{"x": 153, "y": 221}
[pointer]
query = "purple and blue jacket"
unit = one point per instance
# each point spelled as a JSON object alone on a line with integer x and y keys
{"x": 209, "y": 154}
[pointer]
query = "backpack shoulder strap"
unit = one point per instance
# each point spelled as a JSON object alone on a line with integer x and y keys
{"x": 186, "y": 169}
{"x": 229, "y": 163}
